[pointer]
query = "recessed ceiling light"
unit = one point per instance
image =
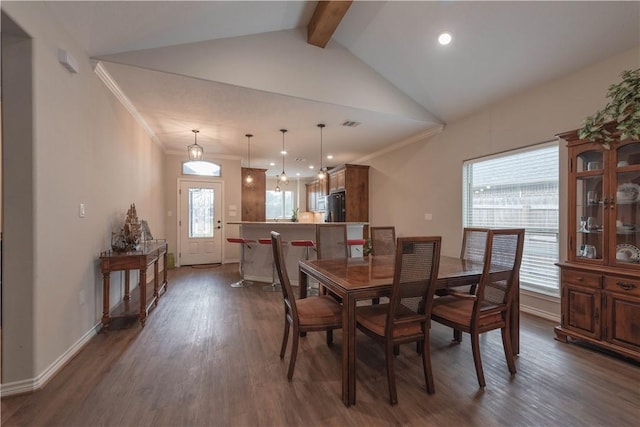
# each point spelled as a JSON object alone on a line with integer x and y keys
{"x": 329, "y": 156}
{"x": 272, "y": 164}
{"x": 444, "y": 39}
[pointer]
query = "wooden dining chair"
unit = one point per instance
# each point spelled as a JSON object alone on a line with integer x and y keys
{"x": 474, "y": 243}
{"x": 331, "y": 241}
{"x": 383, "y": 240}
{"x": 317, "y": 313}
{"x": 406, "y": 317}
{"x": 490, "y": 307}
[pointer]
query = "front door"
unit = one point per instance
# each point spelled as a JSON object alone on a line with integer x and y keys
{"x": 200, "y": 222}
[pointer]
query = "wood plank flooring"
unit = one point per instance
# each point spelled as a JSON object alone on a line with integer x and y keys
{"x": 208, "y": 356}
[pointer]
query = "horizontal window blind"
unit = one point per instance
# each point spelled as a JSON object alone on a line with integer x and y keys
{"x": 519, "y": 190}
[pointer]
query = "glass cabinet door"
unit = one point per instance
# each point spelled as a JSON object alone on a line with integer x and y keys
{"x": 590, "y": 205}
{"x": 626, "y": 204}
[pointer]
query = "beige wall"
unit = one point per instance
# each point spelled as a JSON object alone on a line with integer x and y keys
{"x": 87, "y": 149}
{"x": 426, "y": 177}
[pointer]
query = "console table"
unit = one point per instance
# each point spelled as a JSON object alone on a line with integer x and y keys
{"x": 149, "y": 253}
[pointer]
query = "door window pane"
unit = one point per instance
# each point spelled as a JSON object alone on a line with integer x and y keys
{"x": 519, "y": 190}
{"x": 201, "y": 212}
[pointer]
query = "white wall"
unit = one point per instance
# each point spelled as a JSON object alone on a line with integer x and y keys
{"x": 426, "y": 177}
{"x": 86, "y": 149}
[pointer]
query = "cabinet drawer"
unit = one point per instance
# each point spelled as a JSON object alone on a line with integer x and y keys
{"x": 581, "y": 278}
{"x": 622, "y": 285}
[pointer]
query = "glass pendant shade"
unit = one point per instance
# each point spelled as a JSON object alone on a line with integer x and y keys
{"x": 195, "y": 151}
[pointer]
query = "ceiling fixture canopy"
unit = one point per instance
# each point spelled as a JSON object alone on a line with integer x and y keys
{"x": 195, "y": 151}
{"x": 249, "y": 179}
{"x": 321, "y": 173}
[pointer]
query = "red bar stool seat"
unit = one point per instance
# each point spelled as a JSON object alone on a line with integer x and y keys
{"x": 243, "y": 243}
{"x": 305, "y": 244}
{"x": 355, "y": 242}
{"x": 274, "y": 286}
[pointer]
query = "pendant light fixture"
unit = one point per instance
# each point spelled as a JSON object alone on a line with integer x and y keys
{"x": 248, "y": 180}
{"x": 321, "y": 173}
{"x": 195, "y": 151}
{"x": 283, "y": 176}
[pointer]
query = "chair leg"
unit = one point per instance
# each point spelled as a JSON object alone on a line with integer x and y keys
{"x": 508, "y": 350}
{"x": 294, "y": 354}
{"x": 426, "y": 363}
{"x": 285, "y": 338}
{"x": 391, "y": 376}
{"x": 396, "y": 350}
{"x": 329, "y": 337}
{"x": 475, "y": 347}
{"x": 457, "y": 335}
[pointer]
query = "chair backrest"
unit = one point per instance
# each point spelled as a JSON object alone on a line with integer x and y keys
{"x": 474, "y": 243}
{"x": 383, "y": 240}
{"x": 503, "y": 254}
{"x": 414, "y": 281}
{"x": 331, "y": 241}
{"x": 287, "y": 292}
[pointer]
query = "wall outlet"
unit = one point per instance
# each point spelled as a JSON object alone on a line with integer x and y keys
{"x": 428, "y": 217}
{"x": 82, "y": 212}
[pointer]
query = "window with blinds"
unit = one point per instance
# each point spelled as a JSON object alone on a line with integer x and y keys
{"x": 519, "y": 189}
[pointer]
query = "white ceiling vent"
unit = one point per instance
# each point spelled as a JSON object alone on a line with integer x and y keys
{"x": 350, "y": 123}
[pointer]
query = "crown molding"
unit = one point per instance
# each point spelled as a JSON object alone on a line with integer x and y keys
{"x": 108, "y": 81}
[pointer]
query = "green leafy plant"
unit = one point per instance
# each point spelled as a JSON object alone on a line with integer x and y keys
{"x": 620, "y": 118}
{"x": 294, "y": 214}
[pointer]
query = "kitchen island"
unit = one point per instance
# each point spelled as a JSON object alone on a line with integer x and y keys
{"x": 258, "y": 259}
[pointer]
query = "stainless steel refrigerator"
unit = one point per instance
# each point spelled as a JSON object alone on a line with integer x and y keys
{"x": 335, "y": 207}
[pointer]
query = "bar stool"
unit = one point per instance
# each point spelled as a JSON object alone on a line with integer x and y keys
{"x": 355, "y": 242}
{"x": 274, "y": 286}
{"x": 306, "y": 244}
{"x": 243, "y": 242}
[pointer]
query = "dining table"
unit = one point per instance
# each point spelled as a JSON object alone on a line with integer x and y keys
{"x": 365, "y": 278}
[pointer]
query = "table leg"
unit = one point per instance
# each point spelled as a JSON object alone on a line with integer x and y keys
{"x": 105, "y": 301}
{"x": 349, "y": 365}
{"x": 155, "y": 282}
{"x": 127, "y": 287}
{"x": 143, "y": 296}
{"x": 303, "y": 283}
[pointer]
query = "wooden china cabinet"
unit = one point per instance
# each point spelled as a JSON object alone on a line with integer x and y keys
{"x": 600, "y": 281}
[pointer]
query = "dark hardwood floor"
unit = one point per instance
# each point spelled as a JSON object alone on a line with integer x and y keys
{"x": 208, "y": 356}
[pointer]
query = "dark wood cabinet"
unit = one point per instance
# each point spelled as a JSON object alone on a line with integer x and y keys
{"x": 354, "y": 181}
{"x": 254, "y": 195}
{"x": 600, "y": 281}
{"x": 316, "y": 190}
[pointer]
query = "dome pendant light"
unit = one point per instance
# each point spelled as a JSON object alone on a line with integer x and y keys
{"x": 249, "y": 179}
{"x": 283, "y": 176}
{"x": 195, "y": 151}
{"x": 321, "y": 174}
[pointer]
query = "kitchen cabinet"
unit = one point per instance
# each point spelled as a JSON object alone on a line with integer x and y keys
{"x": 316, "y": 191}
{"x": 600, "y": 281}
{"x": 354, "y": 181}
{"x": 254, "y": 195}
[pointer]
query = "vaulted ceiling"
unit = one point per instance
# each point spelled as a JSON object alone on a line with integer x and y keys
{"x": 231, "y": 68}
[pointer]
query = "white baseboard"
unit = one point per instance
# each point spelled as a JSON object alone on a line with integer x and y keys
{"x": 33, "y": 384}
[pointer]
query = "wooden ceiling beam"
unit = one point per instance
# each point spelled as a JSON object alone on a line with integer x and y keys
{"x": 325, "y": 20}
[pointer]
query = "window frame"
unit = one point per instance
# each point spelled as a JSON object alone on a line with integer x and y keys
{"x": 538, "y": 239}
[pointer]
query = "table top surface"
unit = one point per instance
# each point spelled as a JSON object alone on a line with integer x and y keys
{"x": 377, "y": 271}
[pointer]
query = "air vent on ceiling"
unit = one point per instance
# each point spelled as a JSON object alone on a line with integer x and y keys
{"x": 350, "y": 123}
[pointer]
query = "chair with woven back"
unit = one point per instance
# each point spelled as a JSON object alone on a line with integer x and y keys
{"x": 406, "y": 317}
{"x": 490, "y": 307}
{"x": 383, "y": 240}
{"x": 331, "y": 241}
{"x": 316, "y": 313}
